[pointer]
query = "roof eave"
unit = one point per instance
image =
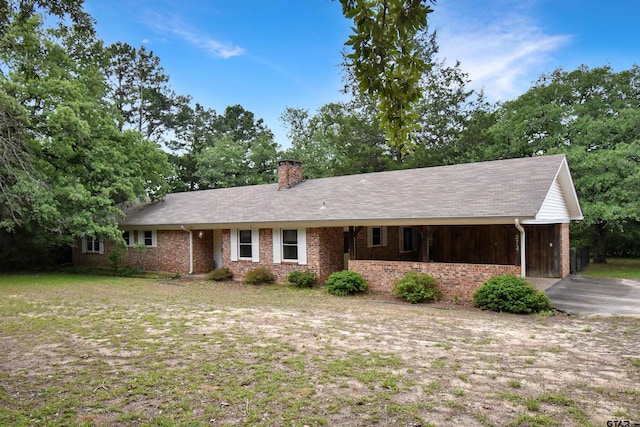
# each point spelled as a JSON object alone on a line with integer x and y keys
{"x": 484, "y": 220}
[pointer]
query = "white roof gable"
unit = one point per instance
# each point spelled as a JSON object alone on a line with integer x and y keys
{"x": 560, "y": 205}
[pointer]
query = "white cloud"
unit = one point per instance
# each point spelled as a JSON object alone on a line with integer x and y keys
{"x": 503, "y": 54}
{"x": 212, "y": 46}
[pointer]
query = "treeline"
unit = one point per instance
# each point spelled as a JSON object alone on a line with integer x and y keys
{"x": 84, "y": 126}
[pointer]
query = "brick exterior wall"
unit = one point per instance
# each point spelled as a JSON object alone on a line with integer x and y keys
{"x": 324, "y": 255}
{"x": 327, "y": 246}
{"x": 171, "y": 253}
{"x": 202, "y": 251}
{"x": 457, "y": 281}
{"x": 90, "y": 259}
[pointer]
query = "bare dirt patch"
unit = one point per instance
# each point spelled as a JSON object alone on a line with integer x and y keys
{"x": 123, "y": 352}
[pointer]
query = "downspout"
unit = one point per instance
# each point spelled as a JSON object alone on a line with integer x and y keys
{"x": 190, "y": 248}
{"x": 523, "y": 255}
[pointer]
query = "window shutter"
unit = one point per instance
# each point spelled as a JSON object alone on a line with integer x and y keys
{"x": 277, "y": 254}
{"x": 369, "y": 237}
{"x": 84, "y": 245}
{"x": 255, "y": 245}
{"x": 101, "y": 244}
{"x": 234, "y": 244}
{"x": 302, "y": 246}
{"x": 383, "y": 231}
{"x": 401, "y": 239}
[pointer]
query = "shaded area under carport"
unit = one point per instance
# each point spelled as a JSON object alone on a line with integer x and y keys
{"x": 577, "y": 294}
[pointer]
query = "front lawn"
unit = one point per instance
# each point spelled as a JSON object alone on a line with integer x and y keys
{"x": 620, "y": 268}
{"x": 84, "y": 350}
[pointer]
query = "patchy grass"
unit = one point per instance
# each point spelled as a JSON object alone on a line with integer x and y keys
{"x": 94, "y": 351}
{"x": 620, "y": 268}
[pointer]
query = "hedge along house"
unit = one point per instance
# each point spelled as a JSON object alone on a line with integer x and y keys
{"x": 462, "y": 224}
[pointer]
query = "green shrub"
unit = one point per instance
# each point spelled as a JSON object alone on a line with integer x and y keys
{"x": 417, "y": 287}
{"x": 259, "y": 276}
{"x": 343, "y": 283}
{"x": 302, "y": 279}
{"x": 512, "y": 294}
{"x": 116, "y": 256}
{"x": 220, "y": 274}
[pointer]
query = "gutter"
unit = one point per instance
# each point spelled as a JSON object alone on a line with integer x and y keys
{"x": 523, "y": 255}
{"x": 191, "y": 248}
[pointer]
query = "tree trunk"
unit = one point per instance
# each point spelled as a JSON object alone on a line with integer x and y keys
{"x": 600, "y": 254}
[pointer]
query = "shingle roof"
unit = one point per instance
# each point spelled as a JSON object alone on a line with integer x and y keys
{"x": 474, "y": 192}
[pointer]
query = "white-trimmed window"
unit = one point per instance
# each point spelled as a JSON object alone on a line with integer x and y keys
{"x": 92, "y": 246}
{"x": 407, "y": 239}
{"x": 147, "y": 238}
{"x": 127, "y": 236}
{"x": 376, "y": 237}
{"x": 245, "y": 245}
{"x": 290, "y": 245}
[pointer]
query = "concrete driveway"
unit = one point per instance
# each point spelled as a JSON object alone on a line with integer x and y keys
{"x": 588, "y": 295}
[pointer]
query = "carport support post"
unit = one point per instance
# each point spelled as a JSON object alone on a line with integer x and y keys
{"x": 353, "y": 232}
{"x": 523, "y": 255}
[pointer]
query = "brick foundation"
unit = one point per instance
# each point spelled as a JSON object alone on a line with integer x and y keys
{"x": 457, "y": 281}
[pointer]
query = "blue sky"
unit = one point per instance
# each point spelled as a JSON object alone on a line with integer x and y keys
{"x": 268, "y": 55}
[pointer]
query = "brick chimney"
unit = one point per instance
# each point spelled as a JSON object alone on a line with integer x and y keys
{"x": 289, "y": 173}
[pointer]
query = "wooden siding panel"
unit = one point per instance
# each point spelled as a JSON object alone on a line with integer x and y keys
{"x": 493, "y": 244}
{"x": 543, "y": 250}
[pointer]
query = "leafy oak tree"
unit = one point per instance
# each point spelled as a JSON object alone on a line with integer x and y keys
{"x": 444, "y": 112}
{"x": 340, "y": 139}
{"x": 592, "y": 115}
{"x": 386, "y": 62}
{"x": 230, "y": 149}
{"x": 345, "y": 138}
{"x": 234, "y": 163}
{"x": 75, "y": 164}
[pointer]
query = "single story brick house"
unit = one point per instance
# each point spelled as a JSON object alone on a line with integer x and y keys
{"x": 462, "y": 224}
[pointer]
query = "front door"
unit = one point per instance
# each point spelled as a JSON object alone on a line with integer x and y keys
{"x": 217, "y": 248}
